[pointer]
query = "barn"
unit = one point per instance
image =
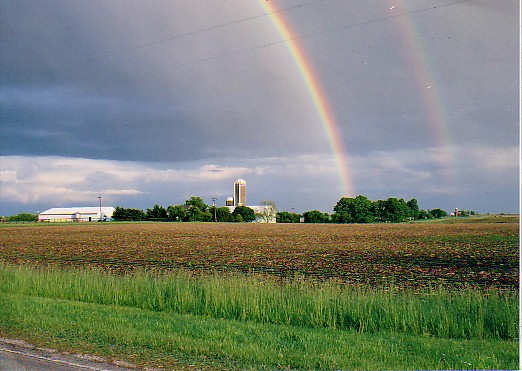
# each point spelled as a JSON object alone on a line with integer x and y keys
{"x": 76, "y": 214}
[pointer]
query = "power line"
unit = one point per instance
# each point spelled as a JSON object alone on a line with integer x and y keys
{"x": 193, "y": 33}
{"x": 283, "y": 41}
{"x": 376, "y": 20}
{"x": 312, "y": 34}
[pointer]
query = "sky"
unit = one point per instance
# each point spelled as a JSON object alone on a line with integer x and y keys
{"x": 152, "y": 102}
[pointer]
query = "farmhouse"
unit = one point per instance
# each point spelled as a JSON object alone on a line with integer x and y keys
{"x": 76, "y": 214}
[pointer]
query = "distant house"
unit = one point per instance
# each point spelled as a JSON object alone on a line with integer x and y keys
{"x": 76, "y": 214}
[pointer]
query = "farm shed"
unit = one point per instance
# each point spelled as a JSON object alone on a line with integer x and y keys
{"x": 75, "y": 214}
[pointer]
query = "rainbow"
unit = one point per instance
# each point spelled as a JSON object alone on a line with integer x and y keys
{"x": 430, "y": 93}
{"x": 316, "y": 92}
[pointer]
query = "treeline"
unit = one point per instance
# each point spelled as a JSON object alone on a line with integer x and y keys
{"x": 20, "y": 218}
{"x": 362, "y": 210}
{"x": 193, "y": 210}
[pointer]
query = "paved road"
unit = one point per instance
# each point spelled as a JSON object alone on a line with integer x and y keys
{"x": 18, "y": 355}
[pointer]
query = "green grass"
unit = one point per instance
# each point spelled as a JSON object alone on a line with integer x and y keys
{"x": 183, "y": 341}
{"x": 482, "y": 218}
{"x": 468, "y": 313}
{"x": 182, "y": 321}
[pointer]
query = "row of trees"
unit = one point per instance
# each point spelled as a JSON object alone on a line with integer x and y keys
{"x": 193, "y": 210}
{"x": 347, "y": 210}
{"x": 22, "y": 217}
{"x": 362, "y": 210}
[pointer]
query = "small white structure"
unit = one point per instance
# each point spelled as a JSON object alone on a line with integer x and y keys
{"x": 76, "y": 214}
{"x": 259, "y": 212}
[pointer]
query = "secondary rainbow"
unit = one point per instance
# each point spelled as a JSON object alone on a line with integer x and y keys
{"x": 430, "y": 92}
{"x": 316, "y": 92}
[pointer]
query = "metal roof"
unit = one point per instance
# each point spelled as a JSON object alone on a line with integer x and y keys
{"x": 106, "y": 210}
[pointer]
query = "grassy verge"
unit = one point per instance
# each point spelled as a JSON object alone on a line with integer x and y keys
{"x": 465, "y": 314}
{"x": 182, "y": 341}
{"x": 182, "y": 321}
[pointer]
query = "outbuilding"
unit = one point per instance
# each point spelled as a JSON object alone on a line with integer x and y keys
{"x": 76, "y": 214}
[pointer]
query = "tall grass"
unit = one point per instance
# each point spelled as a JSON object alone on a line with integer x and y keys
{"x": 468, "y": 313}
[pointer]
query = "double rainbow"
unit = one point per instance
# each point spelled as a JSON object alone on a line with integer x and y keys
{"x": 433, "y": 102}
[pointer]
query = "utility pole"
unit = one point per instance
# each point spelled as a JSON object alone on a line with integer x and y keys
{"x": 101, "y": 216}
{"x": 214, "y": 199}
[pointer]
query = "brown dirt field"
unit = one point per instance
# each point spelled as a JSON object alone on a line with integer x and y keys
{"x": 409, "y": 255}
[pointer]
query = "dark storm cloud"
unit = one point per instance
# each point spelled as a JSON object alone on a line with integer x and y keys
{"x": 94, "y": 79}
{"x": 104, "y": 74}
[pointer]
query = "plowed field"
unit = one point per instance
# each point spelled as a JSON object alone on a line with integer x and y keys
{"x": 408, "y": 255}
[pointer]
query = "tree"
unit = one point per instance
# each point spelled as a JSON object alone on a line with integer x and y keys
{"x": 423, "y": 214}
{"x": 413, "y": 208}
{"x": 286, "y": 217}
{"x": 23, "y": 217}
{"x": 343, "y": 211}
{"x": 176, "y": 212}
{"x": 395, "y": 210}
{"x": 196, "y": 202}
{"x": 195, "y": 214}
{"x": 363, "y": 210}
{"x": 353, "y": 210}
{"x": 269, "y": 211}
{"x": 438, "y": 213}
{"x": 316, "y": 216}
{"x": 222, "y": 214}
{"x": 197, "y": 210}
{"x": 379, "y": 207}
{"x": 121, "y": 213}
{"x": 246, "y": 214}
{"x": 156, "y": 213}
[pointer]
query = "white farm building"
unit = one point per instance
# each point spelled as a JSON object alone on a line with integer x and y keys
{"x": 76, "y": 214}
{"x": 260, "y": 212}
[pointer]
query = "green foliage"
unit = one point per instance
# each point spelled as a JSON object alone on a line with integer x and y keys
{"x": 23, "y": 217}
{"x": 156, "y": 213}
{"x": 316, "y": 216}
{"x": 413, "y": 207}
{"x": 243, "y": 214}
{"x": 361, "y": 210}
{"x": 196, "y": 202}
{"x": 347, "y": 210}
{"x": 167, "y": 340}
{"x": 395, "y": 210}
{"x": 195, "y": 214}
{"x": 286, "y": 217}
{"x": 123, "y": 214}
{"x": 438, "y": 213}
{"x": 176, "y": 212}
{"x": 423, "y": 214}
{"x": 463, "y": 314}
{"x": 222, "y": 214}
{"x": 197, "y": 210}
{"x": 353, "y": 210}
